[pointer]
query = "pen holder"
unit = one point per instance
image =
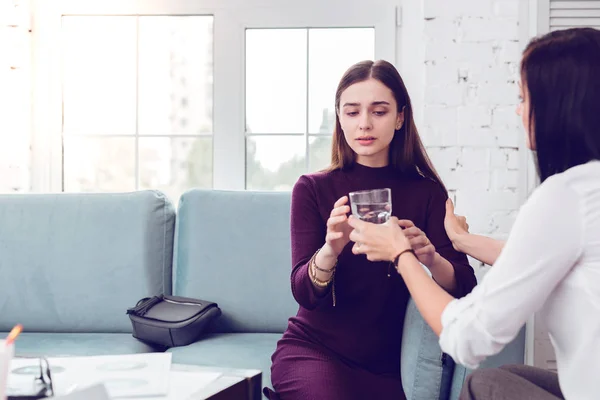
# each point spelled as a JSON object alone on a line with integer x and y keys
{"x": 7, "y": 353}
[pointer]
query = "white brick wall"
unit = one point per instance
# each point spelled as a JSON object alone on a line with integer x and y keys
{"x": 469, "y": 123}
{"x": 15, "y": 96}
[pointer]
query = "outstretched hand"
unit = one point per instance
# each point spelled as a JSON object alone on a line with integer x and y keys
{"x": 379, "y": 242}
{"x": 455, "y": 225}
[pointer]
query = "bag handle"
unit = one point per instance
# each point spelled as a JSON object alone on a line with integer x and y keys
{"x": 144, "y": 305}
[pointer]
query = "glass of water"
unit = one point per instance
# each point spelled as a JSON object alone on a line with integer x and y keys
{"x": 372, "y": 205}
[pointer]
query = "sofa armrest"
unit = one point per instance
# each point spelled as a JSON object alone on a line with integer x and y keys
{"x": 426, "y": 372}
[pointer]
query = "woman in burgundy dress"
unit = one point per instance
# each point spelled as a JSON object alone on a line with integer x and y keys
{"x": 344, "y": 342}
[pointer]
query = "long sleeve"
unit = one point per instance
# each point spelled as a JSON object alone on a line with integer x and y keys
{"x": 465, "y": 276}
{"x": 543, "y": 246}
{"x": 307, "y": 234}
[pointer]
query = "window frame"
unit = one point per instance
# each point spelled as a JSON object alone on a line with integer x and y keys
{"x": 231, "y": 19}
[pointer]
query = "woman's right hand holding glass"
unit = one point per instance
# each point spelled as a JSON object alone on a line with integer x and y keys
{"x": 336, "y": 238}
{"x": 338, "y": 230}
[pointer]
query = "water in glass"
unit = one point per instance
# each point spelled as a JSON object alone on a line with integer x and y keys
{"x": 372, "y": 205}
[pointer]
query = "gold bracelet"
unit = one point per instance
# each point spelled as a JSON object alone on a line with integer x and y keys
{"x": 327, "y": 271}
{"x": 317, "y": 281}
{"x": 312, "y": 272}
{"x": 313, "y": 267}
{"x": 313, "y": 262}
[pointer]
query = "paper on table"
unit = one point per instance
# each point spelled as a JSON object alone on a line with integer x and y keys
{"x": 132, "y": 375}
{"x": 6, "y": 354}
{"x": 96, "y": 392}
{"x": 183, "y": 384}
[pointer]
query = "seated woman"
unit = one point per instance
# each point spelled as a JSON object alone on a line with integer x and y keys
{"x": 344, "y": 343}
{"x": 551, "y": 260}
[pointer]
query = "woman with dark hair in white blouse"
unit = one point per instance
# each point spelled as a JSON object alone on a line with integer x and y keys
{"x": 551, "y": 260}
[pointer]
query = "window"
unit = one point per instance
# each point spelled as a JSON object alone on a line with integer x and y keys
{"x": 176, "y": 94}
{"x": 291, "y": 78}
{"x": 137, "y": 103}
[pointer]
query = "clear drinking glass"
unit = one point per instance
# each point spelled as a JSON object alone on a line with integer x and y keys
{"x": 372, "y": 205}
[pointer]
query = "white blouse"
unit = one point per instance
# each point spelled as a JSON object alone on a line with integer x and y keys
{"x": 551, "y": 264}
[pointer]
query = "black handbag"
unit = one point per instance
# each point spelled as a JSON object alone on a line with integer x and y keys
{"x": 171, "y": 321}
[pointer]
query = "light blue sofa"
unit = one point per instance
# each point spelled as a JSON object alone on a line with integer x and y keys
{"x": 71, "y": 264}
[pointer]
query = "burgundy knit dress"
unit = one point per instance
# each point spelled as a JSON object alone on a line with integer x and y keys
{"x": 352, "y": 350}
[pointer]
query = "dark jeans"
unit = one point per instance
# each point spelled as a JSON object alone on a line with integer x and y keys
{"x": 511, "y": 382}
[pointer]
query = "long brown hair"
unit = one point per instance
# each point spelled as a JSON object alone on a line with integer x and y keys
{"x": 406, "y": 153}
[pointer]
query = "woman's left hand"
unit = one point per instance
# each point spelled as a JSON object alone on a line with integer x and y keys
{"x": 380, "y": 242}
{"x": 424, "y": 249}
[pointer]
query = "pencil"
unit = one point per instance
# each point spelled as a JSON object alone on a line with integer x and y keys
{"x": 13, "y": 334}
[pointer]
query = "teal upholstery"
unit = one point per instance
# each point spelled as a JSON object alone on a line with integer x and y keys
{"x": 424, "y": 374}
{"x": 421, "y": 361}
{"x": 76, "y": 262}
{"x": 235, "y": 350}
{"x": 77, "y": 344}
{"x": 233, "y": 248}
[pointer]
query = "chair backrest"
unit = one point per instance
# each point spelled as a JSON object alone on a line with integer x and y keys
{"x": 233, "y": 248}
{"x": 76, "y": 262}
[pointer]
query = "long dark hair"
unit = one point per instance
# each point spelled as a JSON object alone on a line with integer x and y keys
{"x": 561, "y": 73}
{"x": 406, "y": 153}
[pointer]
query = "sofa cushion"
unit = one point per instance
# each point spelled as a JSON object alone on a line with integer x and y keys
{"x": 423, "y": 371}
{"x": 425, "y": 376}
{"x": 77, "y": 344}
{"x": 76, "y": 262}
{"x": 231, "y": 350}
{"x": 458, "y": 378}
{"x": 233, "y": 248}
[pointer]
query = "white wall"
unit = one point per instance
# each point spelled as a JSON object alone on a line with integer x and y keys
{"x": 470, "y": 65}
